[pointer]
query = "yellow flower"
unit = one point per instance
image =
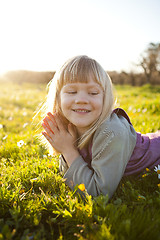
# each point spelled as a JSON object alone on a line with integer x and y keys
{"x": 21, "y": 191}
{"x": 144, "y": 175}
{"x": 147, "y": 170}
{"x": 140, "y": 197}
{"x": 50, "y": 165}
{"x": 81, "y": 187}
{"x": 158, "y": 185}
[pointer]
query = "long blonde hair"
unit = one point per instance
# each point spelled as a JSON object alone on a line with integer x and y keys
{"x": 79, "y": 69}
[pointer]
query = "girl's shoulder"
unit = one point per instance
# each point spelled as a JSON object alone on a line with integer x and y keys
{"x": 118, "y": 123}
{"x": 122, "y": 113}
{"x": 114, "y": 131}
{"x": 117, "y": 120}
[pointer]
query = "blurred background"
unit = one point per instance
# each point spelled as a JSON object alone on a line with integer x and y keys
{"x": 37, "y": 36}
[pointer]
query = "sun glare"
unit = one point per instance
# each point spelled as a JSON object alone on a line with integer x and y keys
{"x": 39, "y": 36}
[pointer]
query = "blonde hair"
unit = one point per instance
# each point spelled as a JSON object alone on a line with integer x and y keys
{"x": 80, "y": 69}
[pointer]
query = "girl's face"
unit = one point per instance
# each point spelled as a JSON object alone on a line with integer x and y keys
{"x": 81, "y": 104}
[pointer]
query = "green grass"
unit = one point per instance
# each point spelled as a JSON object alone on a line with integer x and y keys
{"x": 35, "y": 203}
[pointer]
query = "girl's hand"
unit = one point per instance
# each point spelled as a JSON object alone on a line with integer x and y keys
{"x": 61, "y": 139}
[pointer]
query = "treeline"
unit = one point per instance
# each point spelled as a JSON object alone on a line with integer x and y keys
{"x": 27, "y": 76}
{"x": 122, "y": 78}
{"x": 134, "y": 79}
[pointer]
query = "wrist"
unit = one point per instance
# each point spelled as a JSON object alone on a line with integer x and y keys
{"x": 70, "y": 156}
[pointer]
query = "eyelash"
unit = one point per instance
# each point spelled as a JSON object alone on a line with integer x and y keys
{"x": 94, "y": 93}
{"x": 91, "y": 93}
{"x": 72, "y": 92}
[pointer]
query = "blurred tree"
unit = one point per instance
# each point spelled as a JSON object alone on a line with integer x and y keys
{"x": 150, "y": 61}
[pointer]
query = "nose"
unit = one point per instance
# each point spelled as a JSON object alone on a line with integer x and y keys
{"x": 81, "y": 98}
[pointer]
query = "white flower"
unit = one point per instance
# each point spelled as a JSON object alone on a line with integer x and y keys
{"x": 144, "y": 110}
{"x": 130, "y": 108}
{"x": 1, "y": 126}
{"x": 157, "y": 169}
{"x": 24, "y": 113}
{"x": 5, "y": 137}
{"x": 33, "y": 179}
{"x": 24, "y": 125}
{"x": 20, "y": 143}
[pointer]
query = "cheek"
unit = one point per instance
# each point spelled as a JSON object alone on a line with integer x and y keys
{"x": 99, "y": 104}
{"x": 64, "y": 104}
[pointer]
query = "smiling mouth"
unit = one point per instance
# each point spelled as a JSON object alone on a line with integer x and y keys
{"x": 81, "y": 110}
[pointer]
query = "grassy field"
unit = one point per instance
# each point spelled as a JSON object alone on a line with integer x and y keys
{"x": 35, "y": 203}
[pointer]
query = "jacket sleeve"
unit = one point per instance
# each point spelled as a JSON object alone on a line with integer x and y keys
{"x": 111, "y": 151}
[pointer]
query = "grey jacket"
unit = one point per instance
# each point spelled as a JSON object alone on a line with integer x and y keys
{"x": 112, "y": 147}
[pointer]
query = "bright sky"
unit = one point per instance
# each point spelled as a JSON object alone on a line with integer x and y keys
{"x": 40, "y": 35}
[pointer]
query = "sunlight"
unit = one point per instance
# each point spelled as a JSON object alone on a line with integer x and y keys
{"x": 39, "y": 36}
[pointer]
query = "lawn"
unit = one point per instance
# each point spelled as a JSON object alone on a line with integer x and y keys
{"x": 35, "y": 203}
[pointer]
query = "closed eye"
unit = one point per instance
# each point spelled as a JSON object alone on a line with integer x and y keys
{"x": 71, "y": 92}
{"x": 94, "y": 93}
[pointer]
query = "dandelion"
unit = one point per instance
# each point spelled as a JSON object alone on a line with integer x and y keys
{"x": 81, "y": 187}
{"x": 140, "y": 197}
{"x": 144, "y": 175}
{"x": 20, "y": 143}
{"x": 157, "y": 169}
{"x": 21, "y": 191}
{"x": 49, "y": 165}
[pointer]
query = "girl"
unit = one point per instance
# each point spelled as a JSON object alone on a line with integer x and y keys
{"x": 98, "y": 145}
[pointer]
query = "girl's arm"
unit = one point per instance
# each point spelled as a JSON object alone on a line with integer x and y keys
{"x": 111, "y": 150}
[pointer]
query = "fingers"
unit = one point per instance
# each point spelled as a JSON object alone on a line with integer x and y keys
{"x": 57, "y": 121}
{"x": 48, "y": 131}
{"x": 52, "y": 118}
{"x": 60, "y": 124}
{"x": 48, "y": 138}
{"x": 50, "y": 123}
